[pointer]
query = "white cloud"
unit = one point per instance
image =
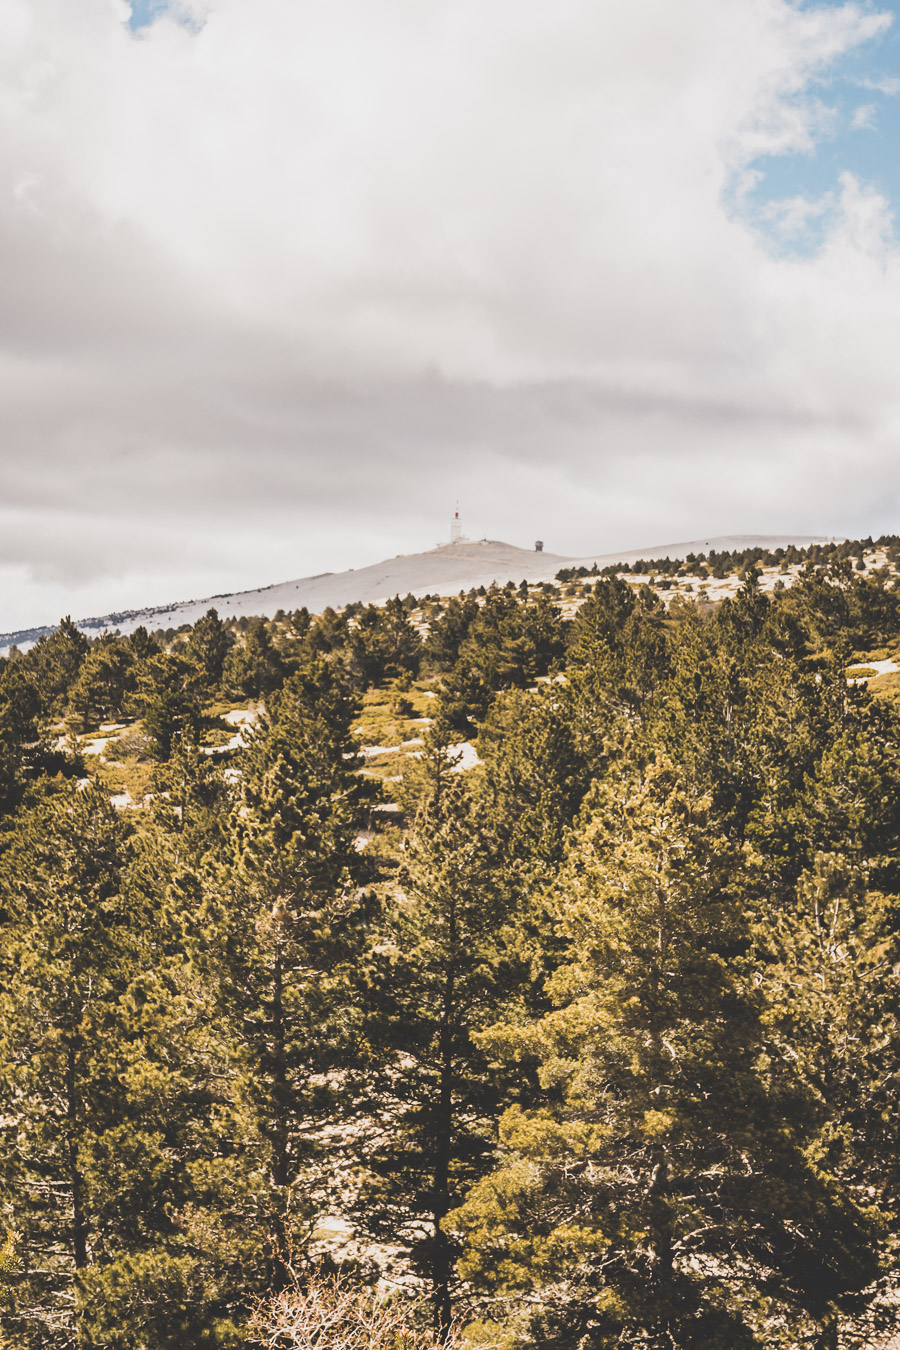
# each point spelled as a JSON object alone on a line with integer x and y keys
{"x": 300, "y": 262}
{"x": 791, "y": 217}
{"x": 864, "y": 117}
{"x": 889, "y": 85}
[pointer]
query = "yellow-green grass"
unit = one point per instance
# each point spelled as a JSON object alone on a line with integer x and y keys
{"x": 385, "y": 767}
{"x": 382, "y": 721}
{"x": 219, "y": 735}
{"x": 886, "y": 686}
{"x": 128, "y": 775}
{"x": 222, "y": 706}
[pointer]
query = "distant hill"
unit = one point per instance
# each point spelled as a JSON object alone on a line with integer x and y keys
{"x": 440, "y": 571}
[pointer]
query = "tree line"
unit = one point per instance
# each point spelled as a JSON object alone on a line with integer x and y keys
{"x": 720, "y": 563}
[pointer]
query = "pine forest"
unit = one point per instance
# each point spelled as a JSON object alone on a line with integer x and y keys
{"x": 512, "y": 971}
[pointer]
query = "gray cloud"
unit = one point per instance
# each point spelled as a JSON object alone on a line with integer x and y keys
{"x": 281, "y": 286}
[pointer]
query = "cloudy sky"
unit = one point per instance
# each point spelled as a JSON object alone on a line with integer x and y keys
{"x": 282, "y": 280}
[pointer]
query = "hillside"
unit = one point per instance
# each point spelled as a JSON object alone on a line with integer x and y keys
{"x": 439, "y": 571}
{"x": 304, "y": 917}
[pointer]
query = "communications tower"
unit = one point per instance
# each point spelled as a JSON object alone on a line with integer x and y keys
{"x": 455, "y": 527}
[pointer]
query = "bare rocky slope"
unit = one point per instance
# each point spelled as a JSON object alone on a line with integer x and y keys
{"x": 440, "y": 571}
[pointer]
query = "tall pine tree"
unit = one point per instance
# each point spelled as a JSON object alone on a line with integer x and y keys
{"x": 663, "y": 1196}
{"x": 446, "y": 963}
{"x": 276, "y": 930}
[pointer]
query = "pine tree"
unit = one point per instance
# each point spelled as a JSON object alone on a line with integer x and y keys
{"x": 448, "y": 632}
{"x": 276, "y": 931}
{"x": 21, "y": 715}
{"x": 536, "y": 775}
{"x": 849, "y": 803}
{"x": 68, "y": 953}
{"x": 141, "y": 645}
{"x": 104, "y": 679}
{"x": 192, "y": 805}
{"x": 618, "y": 651}
{"x": 829, "y": 965}
{"x": 446, "y": 963}
{"x": 55, "y": 662}
{"x": 108, "y": 1075}
{"x": 253, "y": 668}
{"x": 168, "y": 699}
{"x": 208, "y": 646}
{"x": 748, "y": 716}
{"x": 662, "y": 1196}
{"x": 384, "y": 644}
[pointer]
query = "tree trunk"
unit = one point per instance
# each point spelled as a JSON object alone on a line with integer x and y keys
{"x": 828, "y": 1338}
{"x": 661, "y": 1222}
{"x": 663, "y": 1257}
{"x": 76, "y": 1182}
{"x": 279, "y": 1169}
{"x": 442, "y": 1259}
{"x": 80, "y": 1232}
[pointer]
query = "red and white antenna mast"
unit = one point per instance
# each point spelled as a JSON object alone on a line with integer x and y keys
{"x": 455, "y": 527}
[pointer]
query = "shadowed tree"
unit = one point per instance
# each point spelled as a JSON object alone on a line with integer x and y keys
{"x": 68, "y": 952}
{"x": 208, "y": 646}
{"x": 446, "y": 962}
{"x": 664, "y": 1195}
{"x": 277, "y": 930}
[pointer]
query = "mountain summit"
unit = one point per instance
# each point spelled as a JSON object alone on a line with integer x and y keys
{"x": 444, "y": 570}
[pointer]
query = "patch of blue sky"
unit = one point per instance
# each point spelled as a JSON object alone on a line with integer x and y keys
{"x": 143, "y": 12}
{"x": 859, "y": 134}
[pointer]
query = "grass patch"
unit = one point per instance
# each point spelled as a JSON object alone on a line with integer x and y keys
{"x": 131, "y": 776}
{"x": 382, "y": 767}
{"x": 132, "y": 744}
{"x": 222, "y": 706}
{"x": 886, "y": 686}
{"x": 390, "y": 716}
{"x": 219, "y": 734}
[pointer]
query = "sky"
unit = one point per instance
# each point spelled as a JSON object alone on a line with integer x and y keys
{"x": 281, "y": 282}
